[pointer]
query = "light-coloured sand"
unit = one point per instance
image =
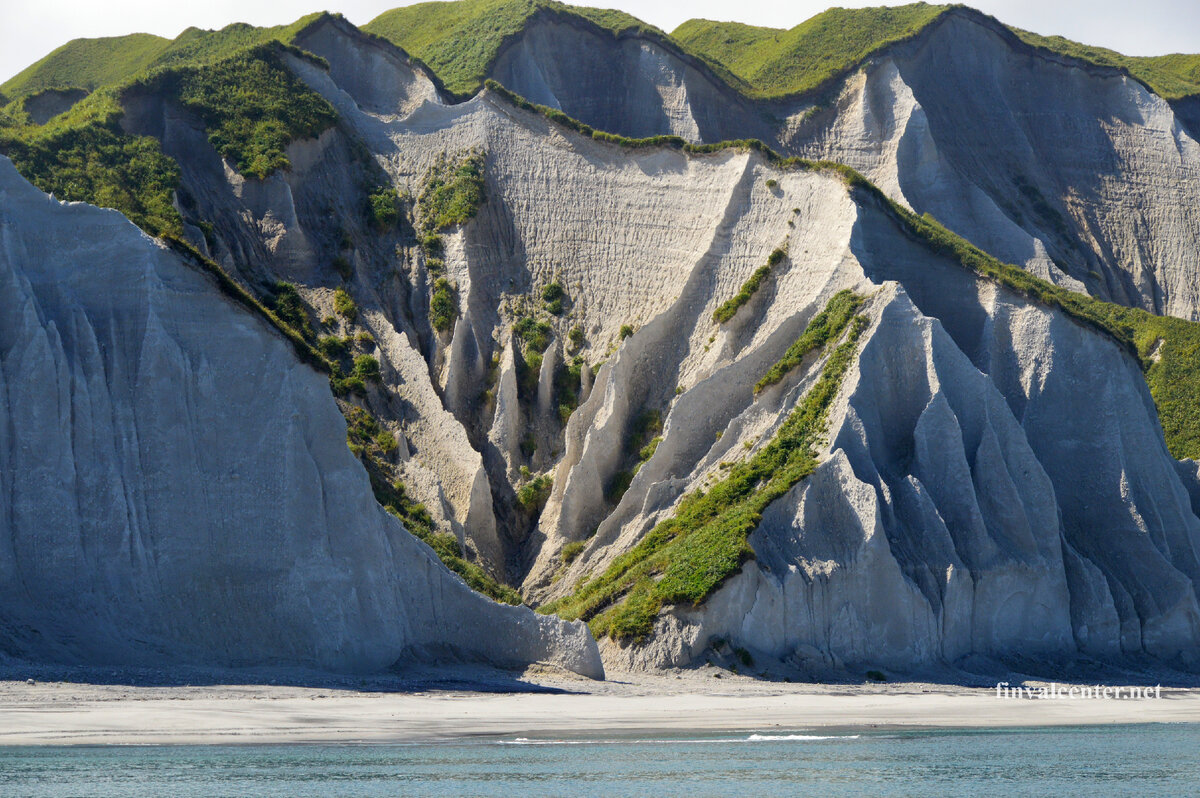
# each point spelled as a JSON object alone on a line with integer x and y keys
{"x": 67, "y": 713}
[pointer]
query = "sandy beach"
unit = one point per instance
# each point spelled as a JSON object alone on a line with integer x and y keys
{"x": 549, "y": 706}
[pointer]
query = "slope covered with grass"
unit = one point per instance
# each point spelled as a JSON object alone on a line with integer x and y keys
{"x": 776, "y": 62}
{"x": 1170, "y": 76}
{"x": 95, "y": 63}
{"x": 460, "y": 40}
{"x": 88, "y": 64}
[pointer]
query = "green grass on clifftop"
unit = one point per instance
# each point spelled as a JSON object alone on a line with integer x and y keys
{"x": 88, "y": 64}
{"x": 460, "y": 40}
{"x": 95, "y": 63}
{"x": 1170, "y": 76}
{"x": 775, "y": 62}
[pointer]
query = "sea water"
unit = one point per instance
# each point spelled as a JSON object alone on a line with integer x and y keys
{"x": 1085, "y": 761}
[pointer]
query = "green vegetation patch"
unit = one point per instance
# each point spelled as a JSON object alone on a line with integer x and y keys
{"x": 687, "y": 557}
{"x": 251, "y": 104}
{"x": 443, "y": 306}
{"x": 774, "y": 62}
{"x": 89, "y": 64}
{"x": 452, "y": 193}
{"x": 729, "y": 307}
{"x": 824, "y": 327}
{"x": 116, "y": 60}
{"x": 94, "y": 161}
{"x": 461, "y": 40}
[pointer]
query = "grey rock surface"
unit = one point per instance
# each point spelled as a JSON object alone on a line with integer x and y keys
{"x": 175, "y": 485}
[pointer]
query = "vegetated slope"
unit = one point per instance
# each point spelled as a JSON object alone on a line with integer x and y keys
{"x": 250, "y": 105}
{"x": 776, "y": 62}
{"x": 95, "y": 63}
{"x": 186, "y": 495}
{"x": 88, "y": 64}
{"x": 460, "y": 40}
{"x": 1171, "y": 76}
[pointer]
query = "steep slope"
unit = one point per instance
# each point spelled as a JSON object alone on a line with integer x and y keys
{"x": 779, "y": 63}
{"x": 461, "y": 39}
{"x": 691, "y": 393}
{"x": 602, "y": 67}
{"x": 147, "y": 524}
{"x": 1075, "y": 171}
{"x": 953, "y": 438}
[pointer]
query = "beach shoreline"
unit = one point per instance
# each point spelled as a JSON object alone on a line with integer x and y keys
{"x": 535, "y": 706}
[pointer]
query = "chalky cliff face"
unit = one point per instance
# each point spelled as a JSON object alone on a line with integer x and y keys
{"x": 586, "y": 355}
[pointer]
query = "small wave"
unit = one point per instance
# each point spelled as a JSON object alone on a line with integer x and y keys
{"x": 761, "y": 738}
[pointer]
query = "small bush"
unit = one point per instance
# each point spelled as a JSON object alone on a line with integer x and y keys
{"x": 383, "y": 208}
{"x": 344, "y": 305}
{"x": 575, "y": 336}
{"x": 625, "y": 331}
{"x": 571, "y": 551}
{"x": 535, "y": 334}
{"x": 452, "y": 193}
{"x": 366, "y": 368}
{"x": 332, "y": 347}
{"x": 553, "y": 296}
{"x": 443, "y": 309}
{"x": 341, "y": 264}
{"x": 533, "y": 494}
{"x": 877, "y": 676}
{"x": 744, "y": 656}
{"x": 289, "y": 307}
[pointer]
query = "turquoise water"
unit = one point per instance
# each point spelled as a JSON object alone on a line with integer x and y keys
{"x": 1094, "y": 762}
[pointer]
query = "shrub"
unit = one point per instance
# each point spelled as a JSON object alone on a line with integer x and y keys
{"x": 366, "y": 368}
{"x": 625, "y": 331}
{"x": 286, "y": 302}
{"x": 533, "y": 494}
{"x": 344, "y": 305}
{"x": 535, "y": 334}
{"x": 332, "y": 347}
{"x": 341, "y": 264}
{"x": 452, "y": 193}
{"x": 383, "y": 208}
{"x": 443, "y": 309}
{"x": 553, "y": 296}
{"x": 571, "y": 551}
{"x": 876, "y": 676}
{"x": 575, "y": 336}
